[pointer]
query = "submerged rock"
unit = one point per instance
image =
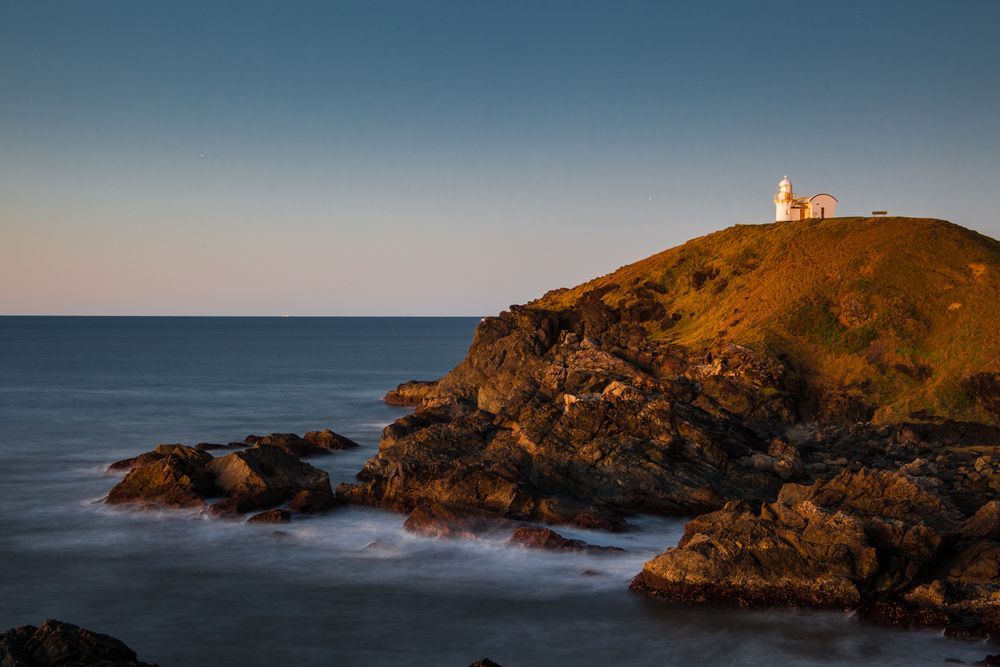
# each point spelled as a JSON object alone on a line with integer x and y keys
{"x": 546, "y": 538}
{"x": 271, "y": 516}
{"x": 450, "y": 520}
{"x": 62, "y": 644}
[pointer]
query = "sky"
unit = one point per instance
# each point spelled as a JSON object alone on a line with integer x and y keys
{"x": 453, "y": 158}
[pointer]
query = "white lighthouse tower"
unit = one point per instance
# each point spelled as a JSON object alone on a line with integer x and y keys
{"x": 783, "y": 201}
{"x": 789, "y": 207}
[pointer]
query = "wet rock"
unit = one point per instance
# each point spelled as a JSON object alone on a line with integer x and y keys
{"x": 329, "y": 441}
{"x": 63, "y": 644}
{"x": 315, "y": 443}
{"x": 310, "y": 501}
{"x": 265, "y": 476}
{"x": 890, "y": 543}
{"x": 548, "y": 539}
{"x": 252, "y": 479}
{"x": 170, "y": 476}
{"x": 484, "y": 662}
{"x": 450, "y": 520}
{"x": 156, "y": 454}
{"x": 211, "y": 446}
{"x": 271, "y": 516}
{"x": 410, "y": 393}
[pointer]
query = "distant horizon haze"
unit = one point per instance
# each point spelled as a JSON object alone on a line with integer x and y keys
{"x": 444, "y": 158}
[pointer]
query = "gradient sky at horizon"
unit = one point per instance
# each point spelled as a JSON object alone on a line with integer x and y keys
{"x": 439, "y": 158}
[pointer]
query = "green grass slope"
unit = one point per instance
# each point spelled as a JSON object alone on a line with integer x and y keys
{"x": 900, "y": 310}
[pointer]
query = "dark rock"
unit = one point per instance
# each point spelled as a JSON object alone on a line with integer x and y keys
{"x": 546, "y": 538}
{"x": 211, "y": 446}
{"x": 271, "y": 516}
{"x": 484, "y": 662}
{"x": 449, "y": 520}
{"x": 892, "y": 544}
{"x": 252, "y": 479}
{"x": 65, "y": 645}
{"x": 314, "y": 443}
{"x": 310, "y": 501}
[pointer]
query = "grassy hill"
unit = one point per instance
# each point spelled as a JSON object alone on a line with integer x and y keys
{"x": 899, "y": 310}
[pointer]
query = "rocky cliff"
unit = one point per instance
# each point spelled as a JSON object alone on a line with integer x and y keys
{"x": 729, "y": 373}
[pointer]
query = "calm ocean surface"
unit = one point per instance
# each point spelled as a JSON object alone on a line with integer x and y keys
{"x": 349, "y": 588}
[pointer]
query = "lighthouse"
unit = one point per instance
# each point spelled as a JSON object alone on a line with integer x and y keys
{"x": 789, "y": 207}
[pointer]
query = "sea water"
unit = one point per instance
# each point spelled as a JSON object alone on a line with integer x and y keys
{"x": 347, "y": 588}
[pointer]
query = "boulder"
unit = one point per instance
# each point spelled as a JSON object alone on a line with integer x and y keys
{"x": 252, "y": 479}
{"x": 264, "y": 476}
{"x": 147, "y": 457}
{"x": 329, "y": 441}
{"x": 170, "y": 476}
{"x": 410, "y": 393}
{"x": 63, "y": 644}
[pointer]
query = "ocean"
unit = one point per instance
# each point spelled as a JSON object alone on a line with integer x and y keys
{"x": 347, "y": 588}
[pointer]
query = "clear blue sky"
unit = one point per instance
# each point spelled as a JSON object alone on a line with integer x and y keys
{"x": 348, "y": 158}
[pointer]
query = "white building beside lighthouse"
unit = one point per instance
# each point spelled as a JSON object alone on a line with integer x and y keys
{"x": 788, "y": 206}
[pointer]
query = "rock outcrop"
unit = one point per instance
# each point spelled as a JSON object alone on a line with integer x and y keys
{"x": 259, "y": 477}
{"x": 169, "y": 476}
{"x": 63, "y": 645}
{"x": 544, "y": 421}
{"x": 891, "y": 543}
{"x": 410, "y": 393}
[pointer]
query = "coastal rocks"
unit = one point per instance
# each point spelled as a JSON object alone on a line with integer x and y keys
{"x": 161, "y": 451}
{"x": 313, "y": 443}
{"x": 888, "y": 542}
{"x": 550, "y": 540}
{"x": 410, "y": 393}
{"x": 263, "y": 476}
{"x": 310, "y": 501}
{"x": 576, "y": 416}
{"x": 169, "y": 476}
{"x": 797, "y": 555}
{"x": 64, "y": 644}
{"x": 453, "y": 521}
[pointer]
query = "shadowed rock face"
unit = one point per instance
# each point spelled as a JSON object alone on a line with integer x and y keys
{"x": 64, "y": 644}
